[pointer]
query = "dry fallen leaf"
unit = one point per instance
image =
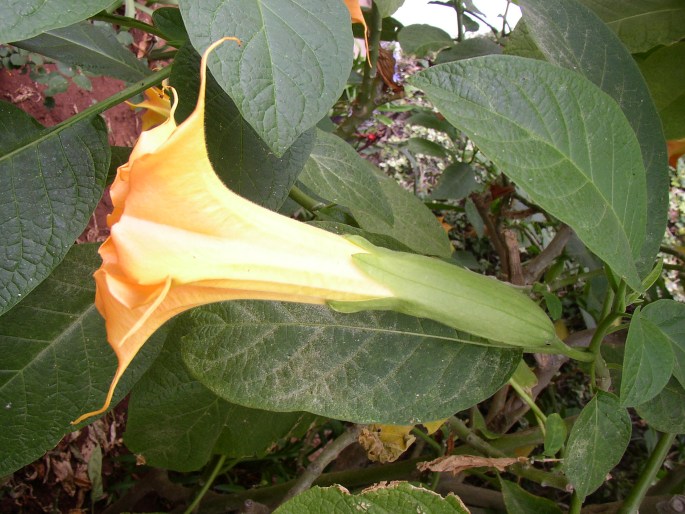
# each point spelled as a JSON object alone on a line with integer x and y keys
{"x": 455, "y": 464}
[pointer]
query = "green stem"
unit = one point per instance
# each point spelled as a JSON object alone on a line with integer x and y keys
{"x": 208, "y": 483}
{"x": 306, "y": 201}
{"x": 559, "y": 347}
{"x": 100, "y": 107}
{"x": 428, "y": 440}
{"x": 576, "y": 504}
{"x": 530, "y": 402}
{"x": 460, "y": 19}
{"x": 131, "y": 23}
{"x": 656, "y": 459}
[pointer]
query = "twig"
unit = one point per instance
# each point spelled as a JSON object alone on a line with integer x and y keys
{"x": 511, "y": 242}
{"x": 460, "y": 19}
{"x": 534, "y": 268}
{"x": 496, "y": 238}
{"x": 328, "y": 455}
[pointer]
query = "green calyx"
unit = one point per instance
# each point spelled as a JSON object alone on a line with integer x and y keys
{"x": 430, "y": 288}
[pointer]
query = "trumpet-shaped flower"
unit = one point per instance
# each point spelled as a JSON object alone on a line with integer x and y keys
{"x": 179, "y": 239}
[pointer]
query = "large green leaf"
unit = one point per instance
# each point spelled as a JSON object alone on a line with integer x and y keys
{"x": 457, "y": 181}
{"x": 369, "y": 367}
{"x": 292, "y": 66}
{"x": 669, "y": 317}
{"x": 666, "y": 411}
{"x": 337, "y": 173}
{"x": 564, "y": 142}
{"x": 665, "y": 74}
{"x": 473, "y": 47}
{"x": 642, "y": 24}
{"x": 56, "y": 362}
{"x": 50, "y": 182}
{"x": 597, "y": 442}
{"x": 396, "y": 497}
{"x": 421, "y": 40}
{"x": 93, "y": 48}
{"x": 238, "y": 155}
{"x": 554, "y": 26}
{"x": 388, "y": 7}
{"x": 177, "y": 423}
{"x": 647, "y": 362}
{"x": 23, "y": 19}
{"x": 413, "y": 225}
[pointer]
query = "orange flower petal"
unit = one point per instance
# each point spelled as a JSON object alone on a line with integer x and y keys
{"x": 358, "y": 17}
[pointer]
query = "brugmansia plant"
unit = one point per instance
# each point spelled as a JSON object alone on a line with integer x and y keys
{"x": 234, "y": 326}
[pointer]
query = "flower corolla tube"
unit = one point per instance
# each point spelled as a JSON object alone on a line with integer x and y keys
{"x": 180, "y": 238}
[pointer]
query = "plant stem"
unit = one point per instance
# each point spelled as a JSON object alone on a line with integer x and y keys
{"x": 131, "y": 23}
{"x": 656, "y": 459}
{"x": 306, "y": 201}
{"x": 460, "y": 19}
{"x": 576, "y": 504}
{"x": 504, "y": 17}
{"x": 559, "y": 347}
{"x": 100, "y": 107}
{"x": 328, "y": 455}
{"x": 208, "y": 483}
{"x": 429, "y": 441}
{"x": 530, "y": 402}
{"x": 365, "y": 102}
